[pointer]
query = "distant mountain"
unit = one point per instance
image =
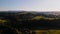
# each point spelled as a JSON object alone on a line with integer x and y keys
{"x": 52, "y": 14}
{"x": 32, "y": 13}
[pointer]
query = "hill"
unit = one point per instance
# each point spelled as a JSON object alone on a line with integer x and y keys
{"x": 20, "y": 20}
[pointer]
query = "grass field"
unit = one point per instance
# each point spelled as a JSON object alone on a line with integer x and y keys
{"x": 46, "y": 31}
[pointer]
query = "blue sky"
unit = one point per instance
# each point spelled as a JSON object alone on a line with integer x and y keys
{"x": 30, "y": 5}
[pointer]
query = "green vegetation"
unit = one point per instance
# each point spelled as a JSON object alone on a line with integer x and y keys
{"x": 45, "y": 18}
{"x": 2, "y": 21}
{"x": 37, "y": 17}
{"x": 24, "y": 22}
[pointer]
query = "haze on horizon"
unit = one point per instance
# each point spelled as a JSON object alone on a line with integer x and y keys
{"x": 30, "y": 5}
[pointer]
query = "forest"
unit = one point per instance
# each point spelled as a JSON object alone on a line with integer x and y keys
{"x": 16, "y": 22}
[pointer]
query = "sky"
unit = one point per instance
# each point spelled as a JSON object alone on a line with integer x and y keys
{"x": 30, "y": 5}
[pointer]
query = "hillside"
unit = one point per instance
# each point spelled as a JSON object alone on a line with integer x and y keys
{"x": 18, "y": 21}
